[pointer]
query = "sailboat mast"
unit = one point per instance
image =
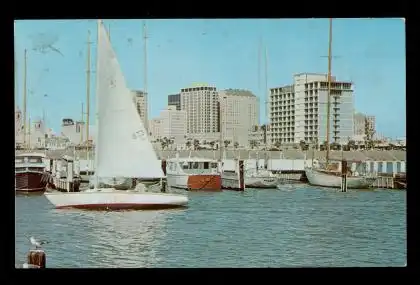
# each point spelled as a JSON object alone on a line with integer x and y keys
{"x": 24, "y": 99}
{"x": 96, "y": 180}
{"x": 82, "y": 121}
{"x": 87, "y": 90}
{"x": 329, "y": 93}
{"x": 146, "y": 95}
{"x": 29, "y": 133}
{"x": 266, "y": 95}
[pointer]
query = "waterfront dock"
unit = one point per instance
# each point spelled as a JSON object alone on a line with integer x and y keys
{"x": 289, "y": 165}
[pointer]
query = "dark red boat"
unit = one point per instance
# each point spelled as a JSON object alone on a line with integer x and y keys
{"x": 30, "y": 174}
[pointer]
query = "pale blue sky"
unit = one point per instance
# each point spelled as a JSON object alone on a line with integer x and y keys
{"x": 223, "y": 53}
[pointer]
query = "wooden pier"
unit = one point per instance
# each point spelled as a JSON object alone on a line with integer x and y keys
{"x": 390, "y": 181}
{"x": 71, "y": 182}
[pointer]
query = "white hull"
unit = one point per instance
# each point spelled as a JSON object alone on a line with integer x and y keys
{"x": 261, "y": 182}
{"x": 177, "y": 180}
{"x": 118, "y": 183}
{"x": 111, "y": 199}
{"x": 318, "y": 178}
{"x": 231, "y": 180}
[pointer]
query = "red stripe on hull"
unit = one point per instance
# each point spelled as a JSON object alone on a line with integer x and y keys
{"x": 29, "y": 182}
{"x": 204, "y": 182}
{"x": 114, "y": 207}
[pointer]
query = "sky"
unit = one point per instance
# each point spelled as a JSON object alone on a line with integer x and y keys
{"x": 221, "y": 53}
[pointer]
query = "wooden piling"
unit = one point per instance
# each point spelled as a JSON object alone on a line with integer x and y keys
{"x": 241, "y": 177}
{"x": 37, "y": 257}
{"x": 344, "y": 176}
{"x": 164, "y": 166}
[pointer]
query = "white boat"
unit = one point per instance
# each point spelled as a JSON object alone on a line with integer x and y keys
{"x": 326, "y": 178}
{"x": 260, "y": 178}
{"x": 122, "y": 148}
{"x": 323, "y": 175}
{"x": 193, "y": 174}
{"x": 253, "y": 178}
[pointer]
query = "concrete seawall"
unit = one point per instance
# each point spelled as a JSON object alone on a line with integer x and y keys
{"x": 370, "y": 155}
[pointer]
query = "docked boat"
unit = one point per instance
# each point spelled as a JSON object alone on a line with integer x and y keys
{"x": 30, "y": 173}
{"x": 325, "y": 175}
{"x": 253, "y": 178}
{"x": 123, "y": 149}
{"x": 331, "y": 178}
{"x": 193, "y": 174}
{"x": 260, "y": 178}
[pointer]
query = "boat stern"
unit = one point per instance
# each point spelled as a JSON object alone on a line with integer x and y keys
{"x": 204, "y": 182}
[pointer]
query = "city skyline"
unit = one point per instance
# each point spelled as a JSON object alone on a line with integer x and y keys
{"x": 183, "y": 52}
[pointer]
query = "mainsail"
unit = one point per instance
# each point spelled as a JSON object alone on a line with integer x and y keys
{"x": 123, "y": 148}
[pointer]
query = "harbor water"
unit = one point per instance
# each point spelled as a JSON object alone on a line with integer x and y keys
{"x": 295, "y": 226}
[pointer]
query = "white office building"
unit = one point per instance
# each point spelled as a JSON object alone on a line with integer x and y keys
{"x": 298, "y": 112}
{"x": 239, "y": 115}
{"x": 201, "y": 104}
{"x": 173, "y": 124}
{"x": 140, "y": 100}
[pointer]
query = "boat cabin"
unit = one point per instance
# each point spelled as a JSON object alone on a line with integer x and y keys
{"x": 192, "y": 166}
{"x": 30, "y": 161}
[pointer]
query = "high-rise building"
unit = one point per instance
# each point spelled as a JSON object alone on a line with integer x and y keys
{"x": 155, "y": 129}
{"x": 140, "y": 100}
{"x": 298, "y": 112}
{"x": 175, "y": 100}
{"x": 173, "y": 124}
{"x": 239, "y": 115}
{"x": 201, "y": 104}
{"x": 360, "y": 121}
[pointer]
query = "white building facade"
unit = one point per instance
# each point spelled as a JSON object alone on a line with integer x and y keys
{"x": 201, "y": 104}
{"x": 155, "y": 131}
{"x": 298, "y": 112}
{"x": 173, "y": 124}
{"x": 239, "y": 111}
{"x": 140, "y": 100}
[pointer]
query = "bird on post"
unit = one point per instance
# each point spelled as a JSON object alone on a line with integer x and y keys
{"x": 36, "y": 243}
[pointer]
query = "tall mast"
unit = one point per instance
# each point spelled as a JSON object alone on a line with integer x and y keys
{"x": 29, "y": 133}
{"x": 146, "y": 95}
{"x": 81, "y": 131}
{"x": 24, "y": 99}
{"x": 266, "y": 94}
{"x": 96, "y": 183}
{"x": 87, "y": 91}
{"x": 329, "y": 93}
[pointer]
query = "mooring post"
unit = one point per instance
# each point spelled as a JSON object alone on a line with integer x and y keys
{"x": 343, "y": 176}
{"x": 163, "y": 164}
{"x": 36, "y": 257}
{"x": 69, "y": 175}
{"x": 163, "y": 181}
{"x": 241, "y": 177}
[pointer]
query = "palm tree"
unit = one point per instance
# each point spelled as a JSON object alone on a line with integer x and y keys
{"x": 277, "y": 144}
{"x": 226, "y": 142}
{"x": 196, "y": 144}
{"x": 253, "y": 143}
{"x": 188, "y": 144}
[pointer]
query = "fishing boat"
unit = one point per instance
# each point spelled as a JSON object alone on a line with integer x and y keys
{"x": 193, "y": 174}
{"x": 324, "y": 175}
{"x": 30, "y": 174}
{"x": 123, "y": 149}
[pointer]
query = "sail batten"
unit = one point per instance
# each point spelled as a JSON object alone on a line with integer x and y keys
{"x": 124, "y": 149}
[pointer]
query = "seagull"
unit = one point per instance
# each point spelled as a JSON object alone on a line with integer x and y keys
{"x": 36, "y": 243}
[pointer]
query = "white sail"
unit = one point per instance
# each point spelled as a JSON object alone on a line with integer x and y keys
{"x": 123, "y": 148}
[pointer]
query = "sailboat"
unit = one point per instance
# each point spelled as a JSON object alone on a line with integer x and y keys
{"x": 324, "y": 175}
{"x": 123, "y": 150}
